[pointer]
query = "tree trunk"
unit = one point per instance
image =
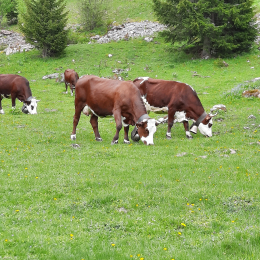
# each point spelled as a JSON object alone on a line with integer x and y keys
{"x": 206, "y": 48}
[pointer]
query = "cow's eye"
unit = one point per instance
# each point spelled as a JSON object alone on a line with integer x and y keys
{"x": 32, "y": 107}
{"x": 210, "y": 125}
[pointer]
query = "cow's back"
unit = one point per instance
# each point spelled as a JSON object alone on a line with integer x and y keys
{"x": 105, "y": 95}
{"x": 161, "y": 93}
{"x": 12, "y": 82}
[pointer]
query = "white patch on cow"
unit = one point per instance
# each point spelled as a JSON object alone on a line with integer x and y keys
{"x": 180, "y": 116}
{"x": 191, "y": 87}
{"x": 123, "y": 123}
{"x": 32, "y": 108}
{"x": 205, "y": 129}
{"x": 145, "y": 101}
{"x": 188, "y": 134}
{"x": 169, "y": 134}
{"x": 73, "y": 137}
{"x": 2, "y": 111}
{"x": 143, "y": 79}
{"x": 126, "y": 141}
{"x": 152, "y": 129}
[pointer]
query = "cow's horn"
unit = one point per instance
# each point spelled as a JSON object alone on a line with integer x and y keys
{"x": 217, "y": 108}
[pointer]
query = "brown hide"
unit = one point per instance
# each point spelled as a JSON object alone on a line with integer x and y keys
{"x": 70, "y": 77}
{"x": 106, "y": 97}
{"x": 16, "y": 86}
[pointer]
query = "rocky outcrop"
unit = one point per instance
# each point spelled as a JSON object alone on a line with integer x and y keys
{"x": 130, "y": 30}
{"x": 14, "y": 42}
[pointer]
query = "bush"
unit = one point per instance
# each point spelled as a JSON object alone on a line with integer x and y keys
{"x": 8, "y": 12}
{"x": 93, "y": 13}
{"x": 43, "y": 25}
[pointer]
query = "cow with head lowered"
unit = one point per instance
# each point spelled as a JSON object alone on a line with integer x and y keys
{"x": 100, "y": 97}
{"x": 182, "y": 102}
{"x": 16, "y": 86}
{"x": 70, "y": 78}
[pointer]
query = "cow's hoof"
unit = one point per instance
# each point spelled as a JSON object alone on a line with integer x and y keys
{"x": 168, "y": 137}
{"x": 126, "y": 141}
{"x": 73, "y": 137}
{"x": 99, "y": 139}
{"x": 2, "y": 111}
{"x": 189, "y": 136}
{"x": 114, "y": 142}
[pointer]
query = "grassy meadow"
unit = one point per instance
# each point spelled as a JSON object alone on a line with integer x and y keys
{"x": 179, "y": 199}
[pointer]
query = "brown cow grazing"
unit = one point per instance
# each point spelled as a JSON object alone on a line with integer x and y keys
{"x": 17, "y": 87}
{"x": 104, "y": 97}
{"x": 182, "y": 102}
{"x": 70, "y": 77}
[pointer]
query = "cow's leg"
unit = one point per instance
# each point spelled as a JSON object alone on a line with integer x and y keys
{"x": 13, "y": 101}
{"x": 1, "y": 109}
{"x": 187, "y": 129}
{"x": 76, "y": 118}
{"x": 71, "y": 89}
{"x": 171, "y": 114}
{"x": 66, "y": 87}
{"x": 118, "y": 119}
{"x": 126, "y": 140}
{"x": 94, "y": 123}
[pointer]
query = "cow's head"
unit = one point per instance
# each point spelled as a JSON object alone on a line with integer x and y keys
{"x": 205, "y": 126}
{"x": 30, "y": 106}
{"x": 145, "y": 131}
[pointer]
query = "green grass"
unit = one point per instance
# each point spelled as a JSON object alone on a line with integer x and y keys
{"x": 179, "y": 199}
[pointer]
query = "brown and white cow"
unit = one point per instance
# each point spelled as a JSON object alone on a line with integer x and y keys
{"x": 182, "y": 102}
{"x": 101, "y": 97}
{"x": 16, "y": 86}
{"x": 70, "y": 77}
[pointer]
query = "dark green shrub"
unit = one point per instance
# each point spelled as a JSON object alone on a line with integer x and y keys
{"x": 217, "y": 28}
{"x": 43, "y": 25}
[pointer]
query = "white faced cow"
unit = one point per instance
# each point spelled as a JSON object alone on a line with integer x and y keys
{"x": 16, "y": 86}
{"x": 101, "y": 97}
{"x": 182, "y": 102}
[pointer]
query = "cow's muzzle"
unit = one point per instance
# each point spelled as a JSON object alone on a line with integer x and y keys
{"x": 25, "y": 109}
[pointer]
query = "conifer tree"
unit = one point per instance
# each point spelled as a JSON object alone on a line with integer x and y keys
{"x": 212, "y": 27}
{"x": 43, "y": 25}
